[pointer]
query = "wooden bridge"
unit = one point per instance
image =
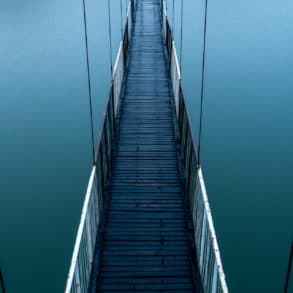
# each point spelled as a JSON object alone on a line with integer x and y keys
{"x": 146, "y": 224}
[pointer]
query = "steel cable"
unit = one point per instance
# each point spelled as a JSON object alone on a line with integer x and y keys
{"x": 2, "y": 286}
{"x": 121, "y": 18}
{"x": 202, "y": 84}
{"x": 89, "y": 80}
{"x": 173, "y": 16}
{"x": 181, "y": 35}
{"x": 110, "y": 38}
{"x": 289, "y": 269}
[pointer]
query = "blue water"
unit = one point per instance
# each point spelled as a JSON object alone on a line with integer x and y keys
{"x": 45, "y": 139}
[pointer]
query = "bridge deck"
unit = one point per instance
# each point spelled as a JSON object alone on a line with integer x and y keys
{"x": 145, "y": 244}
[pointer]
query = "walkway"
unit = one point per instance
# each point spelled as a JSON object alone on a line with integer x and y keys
{"x": 145, "y": 240}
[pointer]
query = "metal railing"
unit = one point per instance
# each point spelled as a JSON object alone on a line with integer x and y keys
{"x": 78, "y": 280}
{"x": 206, "y": 245}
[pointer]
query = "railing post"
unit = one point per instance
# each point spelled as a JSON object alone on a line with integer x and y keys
{"x": 77, "y": 279}
{"x": 89, "y": 240}
{"x": 107, "y": 142}
{"x": 132, "y": 10}
{"x": 202, "y": 243}
{"x": 113, "y": 111}
{"x": 215, "y": 279}
{"x": 102, "y": 165}
{"x": 125, "y": 44}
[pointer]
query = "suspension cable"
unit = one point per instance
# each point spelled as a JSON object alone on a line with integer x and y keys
{"x": 121, "y": 18}
{"x": 173, "y": 15}
{"x": 89, "y": 81}
{"x": 110, "y": 37}
{"x": 2, "y": 286}
{"x": 289, "y": 269}
{"x": 202, "y": 82}
{"x": 181, "y": 36}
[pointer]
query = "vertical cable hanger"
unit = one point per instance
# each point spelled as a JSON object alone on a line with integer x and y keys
{"x": 289, "y": 269}
{"x": 89, "y": 80}
{"x": 173, "y": 16}
{"x": 110, "y": 38}
{"x": 2, "y": 286}
{"x": 181, "y": 36}
{"x": 121, "y": 18}
{"x": 202, "y": 83}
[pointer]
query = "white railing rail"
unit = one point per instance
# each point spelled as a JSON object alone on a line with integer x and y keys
{"x": 118, "y": 74}
{"x": 79, "y": 276}
{"x": 208, "y": 253}
{"x": 175, "y": 77}
{"x": 206, "y": 245}
{"x": 81, "y": 263}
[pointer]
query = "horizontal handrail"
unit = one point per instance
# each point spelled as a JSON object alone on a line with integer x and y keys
{"x": 218, "y": 264}
{"x": 206, "y": 245}
{"x": 80, "y": 270}
{"x": 73, "y": 271}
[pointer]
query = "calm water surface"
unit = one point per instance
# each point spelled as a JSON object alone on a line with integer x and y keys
{"x": 45, "y": 138}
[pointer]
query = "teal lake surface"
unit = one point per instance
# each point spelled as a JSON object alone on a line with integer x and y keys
{"x": 45, "y": 151}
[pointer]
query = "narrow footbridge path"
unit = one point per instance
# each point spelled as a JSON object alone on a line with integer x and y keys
{"x": 146, "y": 224}
{"x": 145, "y": 242}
